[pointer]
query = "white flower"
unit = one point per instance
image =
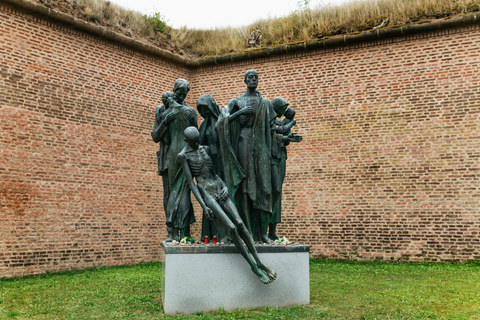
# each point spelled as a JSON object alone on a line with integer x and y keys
{"x": 282, "y": 240}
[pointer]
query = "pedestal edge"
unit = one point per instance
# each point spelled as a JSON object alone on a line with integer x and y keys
{"x": 230, "y": 248}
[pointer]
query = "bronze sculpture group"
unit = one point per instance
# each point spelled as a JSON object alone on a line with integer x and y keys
{"x": 238, "y": 159}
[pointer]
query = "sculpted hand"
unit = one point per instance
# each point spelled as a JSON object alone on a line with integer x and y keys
{"x": 169, "y": 117}
{"x": 170, "y": 101}
{"x": 292, "y": 137}
{"x": 247, "y": 111}
{"x": 297, "y": 138}
{"x": 223, "y": 194}
{"x": 208, "y": 213}
{"x": 191, "y": 117}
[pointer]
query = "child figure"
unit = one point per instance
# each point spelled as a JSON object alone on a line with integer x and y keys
{"x": 279, "y": 158}
{"x": 285, "y": 126}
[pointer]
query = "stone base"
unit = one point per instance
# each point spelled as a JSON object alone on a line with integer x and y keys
{"x": 209, "y": 277}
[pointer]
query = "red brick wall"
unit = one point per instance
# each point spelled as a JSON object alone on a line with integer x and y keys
{"x": 389, "y": 165}
{"x": 388, "y": 168}
{"x": 78, "y": 186}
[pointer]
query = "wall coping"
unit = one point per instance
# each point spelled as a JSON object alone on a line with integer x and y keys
{"x": 170, "y": 248}
{"x": 314, "y": 44}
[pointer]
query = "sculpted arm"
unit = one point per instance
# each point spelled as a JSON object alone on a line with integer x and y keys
{"x": 235, "y": 111}
{"x": 160, "y": 126}
{"x": 284, "y": 129}
{"x": 223, "y": 194}
{"x": 292, "y": 137}
{"x": 192, "y": 117}
{"x": 158, "y": 114}
{"x": 162, "y": 119}
{"x": 165, "y": 119}
{"x": 223, "y": 190}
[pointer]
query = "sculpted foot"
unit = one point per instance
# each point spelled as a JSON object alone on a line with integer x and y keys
{"x": 272, "y": 231}
{"x": 272, "y": 275}
{"x": 261, "y": 275}
{"x": 225, "y": 240}
{"x": 170, "y": 237}
{"x": 273, "y": 236}
{"x": 265, "y": 239}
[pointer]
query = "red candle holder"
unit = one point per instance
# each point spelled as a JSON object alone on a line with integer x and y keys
{"x": 206, "y": 240}
{"x": 214, "y": 239}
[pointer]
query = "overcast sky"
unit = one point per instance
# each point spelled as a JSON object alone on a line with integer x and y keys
{"x": 210, "y": 14}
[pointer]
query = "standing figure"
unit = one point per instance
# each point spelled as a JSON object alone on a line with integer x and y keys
{"x": 177, "y": 118}
{"x": 212, "y": 195}
{"x": 252, "y": 140}
{"x": 159, "y": 136}
{"x": 279, "y": 158}
{"x": 209, "y": 110}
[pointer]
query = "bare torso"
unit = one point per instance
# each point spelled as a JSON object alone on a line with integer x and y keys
{"x": 200, "y": 165}
{"x": 247, "y": 121}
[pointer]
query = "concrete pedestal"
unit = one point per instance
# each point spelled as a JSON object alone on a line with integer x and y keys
{"x": 206, "y": 278}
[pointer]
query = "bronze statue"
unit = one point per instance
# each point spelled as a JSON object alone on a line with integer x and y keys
{"x": 212, "y": 195}
{"x": 176, "y": 117}
{"x": 247, "y": 147}
{"x": 159, "y": 136}
{"x": 279, "y": 158}
{"x": 209, "y": 110}
{"x": 251, "y": 136}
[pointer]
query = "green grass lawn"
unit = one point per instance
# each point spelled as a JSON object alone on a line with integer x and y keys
{"x": 339, "y": 290}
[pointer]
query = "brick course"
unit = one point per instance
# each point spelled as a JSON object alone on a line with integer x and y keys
{"x": 77, "y": 169}
{"x": 387, "y": 170}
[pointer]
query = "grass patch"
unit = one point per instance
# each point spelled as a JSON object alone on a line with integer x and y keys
{"x": 303, "y": 24}
{"x": 322, "y": 21}
{"x": 339, "y": 290}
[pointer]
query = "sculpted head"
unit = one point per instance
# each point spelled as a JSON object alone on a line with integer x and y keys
{"x": 180, "y": 89}
{"x": 207, "y": 106}
{"x": 279, "y": 105}
{"x": 290, "y": 114}
{"x": 192, "y": 137}
{"x": 165, "y": 97}
{"x": 251, "y": 79}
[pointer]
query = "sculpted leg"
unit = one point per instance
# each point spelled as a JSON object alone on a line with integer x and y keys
{"x": 175, "y": 234}
{"x": 232, "y": 230}
{"x": 166, "y": 194}
{"x": 183, "y": 233}
{"x": 276, "y": 182}
{"x": 264, "y": 218}
{"x": 232, "y": 212}
{"x": 187, "y": 231}
{"x": 272, "y": 231}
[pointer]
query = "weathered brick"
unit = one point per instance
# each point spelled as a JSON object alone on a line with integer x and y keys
{"x": 388, "y": 168}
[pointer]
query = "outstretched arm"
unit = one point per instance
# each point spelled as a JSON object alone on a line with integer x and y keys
{"x": 292, "y": 137}
{"x": 286, "y": 127}
{"x": 188, "y": 174}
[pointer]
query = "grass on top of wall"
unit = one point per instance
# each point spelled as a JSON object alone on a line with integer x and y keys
{"x": 303, "y": 24}
{"x": 322, "y": 21}
{"x": 339, "y": 290}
